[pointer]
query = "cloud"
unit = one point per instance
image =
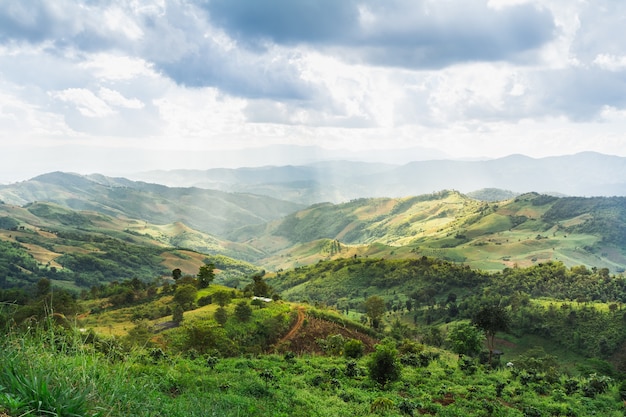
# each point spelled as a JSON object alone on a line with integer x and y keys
{"x": 114, "y": 98}
{"x": 86, "y": 102}
{"x": 403, "y": 33}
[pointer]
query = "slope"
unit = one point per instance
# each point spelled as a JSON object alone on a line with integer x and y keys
{"x": 528, "y": 229}
{"x": 213, "y": 212}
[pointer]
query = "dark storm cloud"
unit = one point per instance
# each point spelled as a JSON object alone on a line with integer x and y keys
{"x": 411, "y": 34}
{"x": 286, "y": 21}
{"x": 29, "y": 21}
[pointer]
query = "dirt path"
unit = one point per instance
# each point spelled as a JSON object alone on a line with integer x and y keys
{"x": 295, "y": 327}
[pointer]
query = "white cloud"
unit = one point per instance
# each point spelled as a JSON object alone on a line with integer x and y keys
{"x": 86, "y": 102}
{"x": 610, "y": 62}
{"x": 114, "y": 98}
{"x": 116, "y": 67}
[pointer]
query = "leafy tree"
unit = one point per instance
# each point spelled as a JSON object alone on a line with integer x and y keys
{"x": 43, "y": 287}
{"x": 222, "y": 298}
{"x": 206, "y": 275}
{"x": 259, "y": 287}
{"x": 243, "y": 311}
{"x": 177, "y": 315}
{"x": 176, "y": 274}
{"x": 185, "y": 296}
{"x": 221, "y": 316}
{"x": 466, "y": 339}
{"x": 375, "y": 308}
{"x": 492, "y": 319}
{"x": 384, "y": 364}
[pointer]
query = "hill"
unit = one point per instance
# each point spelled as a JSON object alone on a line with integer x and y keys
{"x": 79, "y": 249}
{"x": 522, "y": 231}
{"x": 213, "y": 212}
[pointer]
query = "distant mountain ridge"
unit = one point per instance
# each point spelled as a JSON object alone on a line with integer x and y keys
{"x": 584, "y": 174}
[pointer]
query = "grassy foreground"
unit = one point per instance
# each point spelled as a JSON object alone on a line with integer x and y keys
{"x": 51, "y": 371}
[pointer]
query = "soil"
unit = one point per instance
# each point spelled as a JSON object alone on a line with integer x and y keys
{"x": 302, "y": 338}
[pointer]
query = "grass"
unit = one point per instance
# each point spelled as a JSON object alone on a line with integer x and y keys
{"x": 54, "y": 371}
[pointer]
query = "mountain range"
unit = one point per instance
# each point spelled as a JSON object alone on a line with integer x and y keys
{"x": 583, "y": 174}
{"x": 520, "y": 229}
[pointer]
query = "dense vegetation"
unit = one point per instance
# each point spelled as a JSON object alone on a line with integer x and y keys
{"x": 398, "y": 323}
{"x": 577, "y": 308}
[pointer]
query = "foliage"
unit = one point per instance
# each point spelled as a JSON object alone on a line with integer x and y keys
{"x": 206, "y": 275}
{"x": 177, "y": 314}
{"x": 375, "y": 308}
{"x": 185, "y": 296}
{"x": 353, "y": 349}
{"x": 492, "y": 319}
{"x": 221, "y": 316}
{"x": 466, "y": 339}
{"x": 243, "y": 311}
{"x": 384, "y": 364}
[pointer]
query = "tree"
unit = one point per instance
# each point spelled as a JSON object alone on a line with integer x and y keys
{"x": 185, "y": 296}
{"x": 177, "y": 315}
{"x": 243, "y": 311}
{"x": 466, "y": 339}
{"x": 375, "y": 308}
{"x": 206, "y": 275}
{"x": 221, "y": 316}
{"x": 222, "y": 298}
{"x": 43, "y": 287}
{"x": 176, "y": 274}
{"x": 492, "y": 319}
{"x": 384, "y": 364}
{"x": 259, "y": 287}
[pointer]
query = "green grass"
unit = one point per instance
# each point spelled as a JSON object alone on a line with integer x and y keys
{"x": 56, "y": 373}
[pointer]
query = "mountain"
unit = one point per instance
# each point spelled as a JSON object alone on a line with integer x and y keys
{"x": 583, "y": 174}
{"x": 209, "y": 211}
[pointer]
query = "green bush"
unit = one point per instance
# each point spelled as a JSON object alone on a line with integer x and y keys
{"x": 353, "y": 349}
{"x": 384, "y": 365}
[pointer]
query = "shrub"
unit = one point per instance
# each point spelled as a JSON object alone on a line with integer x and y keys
{"x": 243, "y": 311}
{"x": 352, "y": 369}
{"x": 384, "y": 365}
{"x": 381, "y": 405}
{"x": 596, "y": 384}
{"x": 353, "y": 348}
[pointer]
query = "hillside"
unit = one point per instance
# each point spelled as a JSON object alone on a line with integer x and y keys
{"x": 526, "y": 230}
{"x": 231, "y": 355}
{"x": 522, "y": 231}
{"x": 210, "y": 211}
{"x": 80, "y": 249}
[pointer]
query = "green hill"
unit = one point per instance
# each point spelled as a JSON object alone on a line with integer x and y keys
{"x": 213, "y": 212}
{"x": 82, "y": 249}
{"x": 522, "y": 231}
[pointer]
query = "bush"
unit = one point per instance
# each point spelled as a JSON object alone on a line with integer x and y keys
{"x": 353, "y": 348}
{"x": 384, "y": 364}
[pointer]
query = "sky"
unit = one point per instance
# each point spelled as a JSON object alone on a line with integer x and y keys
{"x": 122, "y": 86}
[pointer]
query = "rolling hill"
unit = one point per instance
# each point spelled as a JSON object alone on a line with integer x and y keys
{"x": 210, "y": 211}
{"x": 528, "y": 229}
{"x": 275, "y": 234}
{"x": 79, "y": 249}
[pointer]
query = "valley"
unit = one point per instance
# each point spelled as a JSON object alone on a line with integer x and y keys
{"x": 301, "y": 301}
